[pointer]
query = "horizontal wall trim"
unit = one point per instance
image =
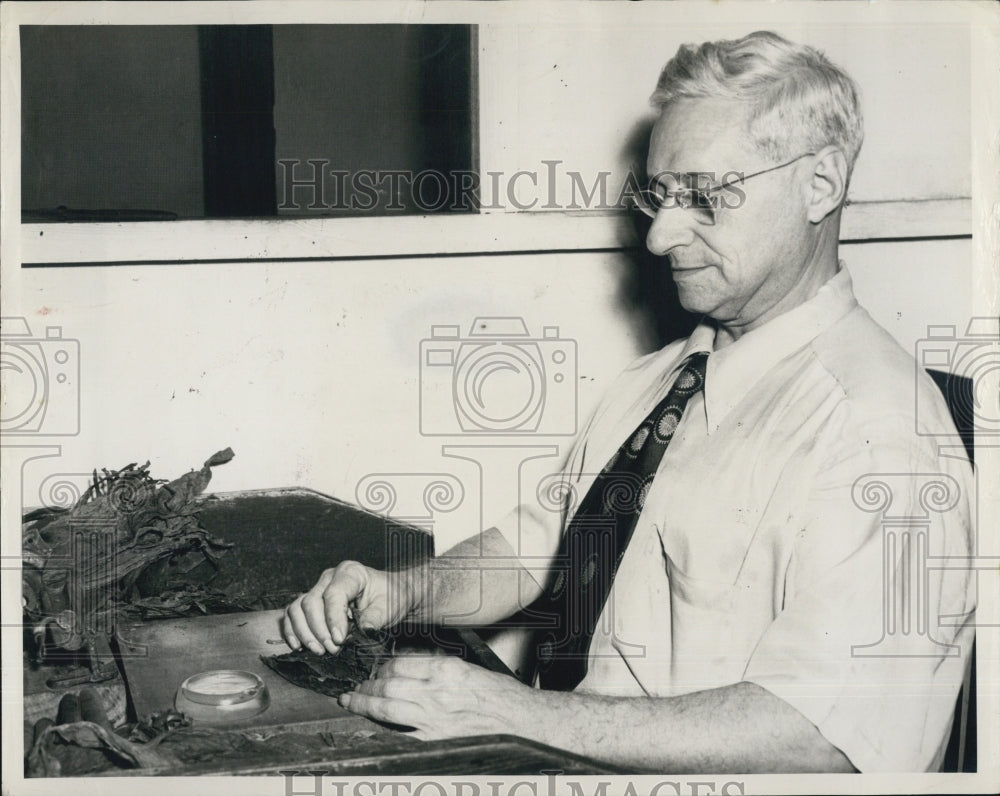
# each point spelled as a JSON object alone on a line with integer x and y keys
{"x": 364, "y": 258}
{"x": 433, "y": 256}
{"x": 438, "y": 235}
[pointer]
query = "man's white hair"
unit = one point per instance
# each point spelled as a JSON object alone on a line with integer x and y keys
{"x": 797, "y": 100}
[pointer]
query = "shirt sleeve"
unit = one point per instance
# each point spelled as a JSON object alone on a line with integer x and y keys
{"x": 871, "y": 642}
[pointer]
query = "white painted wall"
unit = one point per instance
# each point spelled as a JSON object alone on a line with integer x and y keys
{"x": 575, "y": 91}
{"x": 309, "y": 371}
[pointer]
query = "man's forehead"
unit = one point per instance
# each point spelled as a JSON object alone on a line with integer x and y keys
{"x": 693, "y": 135}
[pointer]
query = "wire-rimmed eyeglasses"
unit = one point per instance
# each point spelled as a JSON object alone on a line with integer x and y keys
{"x": 687, "y": 191}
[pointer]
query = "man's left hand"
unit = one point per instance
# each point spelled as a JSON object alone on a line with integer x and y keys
{"x": 442, "y": 697}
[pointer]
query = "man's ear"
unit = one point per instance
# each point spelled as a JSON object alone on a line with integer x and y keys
{"x": 827, "y": 184}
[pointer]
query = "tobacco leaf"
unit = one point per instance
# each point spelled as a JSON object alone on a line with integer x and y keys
{"x": 85, "y": 747}
{"x": 358, "y": 658}
{"x": 124, "y": 524}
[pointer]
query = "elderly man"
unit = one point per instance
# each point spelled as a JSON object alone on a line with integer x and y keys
{"x": 723, "y": 599}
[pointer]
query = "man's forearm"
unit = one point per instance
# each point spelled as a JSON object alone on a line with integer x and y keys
{"x": 740, "y": 728}
{"x": 478, "y": 582}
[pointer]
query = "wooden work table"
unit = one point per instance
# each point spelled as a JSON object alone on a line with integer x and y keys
{"x": 158, "y": 656}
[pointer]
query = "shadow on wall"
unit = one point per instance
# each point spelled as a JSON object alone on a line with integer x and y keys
{"x": 647, "y": 294}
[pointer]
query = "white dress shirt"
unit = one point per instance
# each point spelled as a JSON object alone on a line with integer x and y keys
{"x": 757, "y": 557}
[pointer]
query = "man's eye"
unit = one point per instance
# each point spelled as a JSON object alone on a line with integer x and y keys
{"x": 694, "y": 199}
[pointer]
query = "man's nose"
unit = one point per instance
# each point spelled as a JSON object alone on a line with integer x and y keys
{"x": 672, "y": 227}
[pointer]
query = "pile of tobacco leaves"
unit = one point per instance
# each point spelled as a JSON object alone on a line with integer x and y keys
{"x": 357, "y": 660}
{"x": 84, "y": 565}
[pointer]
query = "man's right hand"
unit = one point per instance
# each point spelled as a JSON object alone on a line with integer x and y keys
{"x": 319, "y": 619}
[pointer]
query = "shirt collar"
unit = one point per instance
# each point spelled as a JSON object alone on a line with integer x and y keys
{"x": 733, "y": 370}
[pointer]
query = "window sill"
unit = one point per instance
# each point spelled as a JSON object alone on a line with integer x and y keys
{"x": 430, "y": 236}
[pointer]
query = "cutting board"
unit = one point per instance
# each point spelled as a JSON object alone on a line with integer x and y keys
{"x": 158, "y": 656}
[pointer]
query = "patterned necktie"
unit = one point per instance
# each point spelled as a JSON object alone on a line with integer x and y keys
{"x": 594, "y": 543}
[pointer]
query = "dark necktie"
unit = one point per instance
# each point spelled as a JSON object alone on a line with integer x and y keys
{"x": 594, "y": 543}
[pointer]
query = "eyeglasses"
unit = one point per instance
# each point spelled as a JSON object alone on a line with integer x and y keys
{"x": 671, "y": 189}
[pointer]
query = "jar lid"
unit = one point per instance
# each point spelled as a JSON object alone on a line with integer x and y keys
{"x": 222, "y": 695}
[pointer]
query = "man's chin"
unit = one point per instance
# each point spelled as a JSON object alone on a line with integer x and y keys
{"x": 695, "y": 299}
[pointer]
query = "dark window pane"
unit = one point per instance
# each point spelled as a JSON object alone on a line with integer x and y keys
{"x": 372, "y": 118}
{"x": 111, "y": 119}
{"x": 137, "y": 122}
{"x": 237, "y": 106}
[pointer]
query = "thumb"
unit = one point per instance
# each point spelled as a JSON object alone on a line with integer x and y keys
{"x": 371, "y": 617}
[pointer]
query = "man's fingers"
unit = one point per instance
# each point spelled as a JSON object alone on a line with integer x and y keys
{"x": 320, "y": 618}
{"x": 301, "y": 631}
{"x": 314, "y": 611}
{"x": 391, "y": 711}
{"x": 289, "y": 632}
{"x": 347, "y": 584}
{"x": 405, "y": 688}
{"x": 295, "y": 625}
{"x": 337, "y": 620}
{"x": 372, "y": 617}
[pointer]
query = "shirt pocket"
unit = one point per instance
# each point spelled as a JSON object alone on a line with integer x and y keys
{"x": 708, "y": 551}
{"x": 708, "y": 594}
{"x": 707, "y": 526}
{"x": 712, "y": 631}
